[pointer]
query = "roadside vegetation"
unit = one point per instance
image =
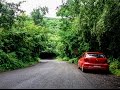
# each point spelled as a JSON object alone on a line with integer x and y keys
{"x": 90, "y": 25}
{"x": 85, "y": 25}
{"x": 22, "y": 38}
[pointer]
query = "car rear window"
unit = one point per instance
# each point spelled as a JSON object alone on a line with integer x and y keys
{"x": 95, "y": 55}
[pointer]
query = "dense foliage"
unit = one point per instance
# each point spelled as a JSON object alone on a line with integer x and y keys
{"x": 90, "y": 25}
{"x": 21, "y": 41}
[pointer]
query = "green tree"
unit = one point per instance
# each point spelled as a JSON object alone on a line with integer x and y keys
{"x": 8, "y": 13}
{"x": 89, "y": 21}
{"x": 38, "y": 15}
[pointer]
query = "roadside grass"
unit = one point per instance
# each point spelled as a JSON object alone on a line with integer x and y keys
{"x": 59, "y": 59}
{"x": 21, "y": 65}
{"x": 30, "y": 64}
{"x": 117, "y": 72}
{"x": 67, "y": 59}
{"x": 73, "y": 60}
{"x": 62, "y": 59}
{"x": 115, "y": 66}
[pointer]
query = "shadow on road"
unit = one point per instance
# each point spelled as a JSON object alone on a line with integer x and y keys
{"x": 98, "y": 72}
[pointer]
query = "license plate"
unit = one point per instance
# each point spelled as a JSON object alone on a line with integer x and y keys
{"x": 97, "y": 66}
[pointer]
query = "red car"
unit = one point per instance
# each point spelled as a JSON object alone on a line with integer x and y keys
{"x": 93, "y": 61}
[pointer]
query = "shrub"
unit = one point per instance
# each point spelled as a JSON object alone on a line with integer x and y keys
{"x": 66, "y": 59}
{"x": 24, "y": 54}
{"x": 74, "y": 60}
{"x": 9, "y": 61}
{"x": 115, "y": 67}
{"x": 19, "y": 48}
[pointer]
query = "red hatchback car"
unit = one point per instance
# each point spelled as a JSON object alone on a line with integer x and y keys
{"x": 93, "y": 61}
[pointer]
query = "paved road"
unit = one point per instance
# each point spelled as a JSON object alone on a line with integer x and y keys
{"x": 53, "y": 74}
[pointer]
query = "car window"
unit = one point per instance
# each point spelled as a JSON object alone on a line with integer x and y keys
{"x": 96, "y": 55}
{"x": 101, "y": 55}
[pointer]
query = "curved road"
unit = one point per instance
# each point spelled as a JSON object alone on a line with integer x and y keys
{"x": 54, "y": 74}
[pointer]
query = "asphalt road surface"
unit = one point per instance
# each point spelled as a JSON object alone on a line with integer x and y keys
{"x": 54, "y": 74}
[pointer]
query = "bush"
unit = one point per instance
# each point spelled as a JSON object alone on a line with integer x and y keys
{"x": 9, "y": 61}
{"x": 74, "y": 60}
{"x": 115, "y": 67}
{"x": 66, "y": 59}
{"x": 22, "y": 47}
{"x": 24, "y": 54}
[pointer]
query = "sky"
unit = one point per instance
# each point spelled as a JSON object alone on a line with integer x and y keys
{"x": 29, "y": 5}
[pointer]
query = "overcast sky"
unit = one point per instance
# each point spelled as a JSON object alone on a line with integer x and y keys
{"x": 30, "y": 4}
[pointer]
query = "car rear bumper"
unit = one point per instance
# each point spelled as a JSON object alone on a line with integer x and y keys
{"x": 96, "y": 66}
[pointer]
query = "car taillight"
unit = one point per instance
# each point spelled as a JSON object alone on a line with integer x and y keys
{"x": 86, "y": 60}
